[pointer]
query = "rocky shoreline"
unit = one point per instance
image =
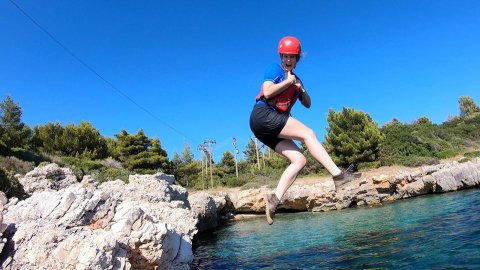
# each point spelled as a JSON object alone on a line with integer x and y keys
{"x": 150, "y": 222}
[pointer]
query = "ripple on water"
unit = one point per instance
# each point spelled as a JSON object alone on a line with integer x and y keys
{"x": 433, "y": 231}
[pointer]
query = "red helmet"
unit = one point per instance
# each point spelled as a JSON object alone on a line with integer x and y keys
{"x": 289, "y": 45}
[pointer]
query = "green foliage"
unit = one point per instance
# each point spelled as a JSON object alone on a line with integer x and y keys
{"x": 425, "y": 143}
{"x": 185, "y": 168}
{"x": 275, "y": 161}
{"x": 141, "y": 154}
{"x": 109, "y": 174}
{"x": 472, "y": 154}
{"x": 250, "y": 152}
{"x": 80, "y": 166}
{"x": 405, "y": 144}
{"x": 467, "y": 106}
{"x": 352, "y": 137}
{"x": 227, "y": 163}
{"x": 13, "y": 133}
{"x": 10, "y": 185}
{"x": 75, "y": 141}
{"x": 312, "y": 166}
{"x": 102, "y": 170}
{"x": 15, "y": 165}
{"x": 22, "y": 154}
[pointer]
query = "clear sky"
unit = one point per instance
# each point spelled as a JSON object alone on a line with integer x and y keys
{"x": 188, "y": 71}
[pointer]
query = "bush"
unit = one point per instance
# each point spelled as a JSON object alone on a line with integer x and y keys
{"x": 472, "y": 154}
{"x": 10, "y": 185}
{"x": 447, "y": 153}
{"x": 15, "y": 165}
{"x": 81, "y": 166}
{"x": 110, "y": 174}
{"x": 368, "y": 165}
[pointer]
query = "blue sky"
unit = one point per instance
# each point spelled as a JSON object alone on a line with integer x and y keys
{"x": 188, "y": 71}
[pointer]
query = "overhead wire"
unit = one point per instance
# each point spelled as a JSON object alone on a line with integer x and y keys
{"x": 96, "y": 73}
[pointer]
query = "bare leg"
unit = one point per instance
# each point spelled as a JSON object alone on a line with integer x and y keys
{"x": 291, "y": 151}
{"x": 295, "y": 130}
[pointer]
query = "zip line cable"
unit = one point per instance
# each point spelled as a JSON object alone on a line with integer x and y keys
{"x": 95, "y": 72}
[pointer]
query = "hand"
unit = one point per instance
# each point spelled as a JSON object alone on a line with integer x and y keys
{"x": 298, "y": 83}
{"x": 291, "y": 78}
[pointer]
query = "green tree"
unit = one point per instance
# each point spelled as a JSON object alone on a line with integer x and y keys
{"x": 251, "y": 152}
{"x": 140, "y": 154}
{"x": 185, "y": 168}
{"x": 353, "y": 137}
{"x": 423, "y": 121}
{"x": 227, "y": 163}
{"x": 47, "y": 138}
{"x": 83, "y": 140}
{"x": 13, "y": 133}
{"x": 406, "y": 144}
{"x": 467, "y": 106}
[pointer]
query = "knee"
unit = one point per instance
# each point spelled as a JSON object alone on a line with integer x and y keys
{"x": 300, "y": 160}
{"x": 309, "y": 134}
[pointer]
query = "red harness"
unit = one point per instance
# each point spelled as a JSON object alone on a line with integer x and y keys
{"x": 284, "y": 101}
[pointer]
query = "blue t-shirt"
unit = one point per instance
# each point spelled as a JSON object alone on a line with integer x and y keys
{"x": 274, "y": 73}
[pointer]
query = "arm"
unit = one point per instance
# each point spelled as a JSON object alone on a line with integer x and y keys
{"x": 305, "y": 98}
{"x": 270, "y": 89}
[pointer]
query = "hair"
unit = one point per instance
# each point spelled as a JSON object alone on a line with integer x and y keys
{"x": 299, "y": 56}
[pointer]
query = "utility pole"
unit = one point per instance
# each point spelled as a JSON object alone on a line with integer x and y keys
{"x": 209, "y": 145}
{"x": 254, "y": 139}
{"x": 236, "y": 153}
{"x": 263, "y": 155}
{"x": 201, "y": 147}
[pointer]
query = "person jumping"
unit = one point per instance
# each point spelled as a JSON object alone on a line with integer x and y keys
{"x": 272, "y": 124}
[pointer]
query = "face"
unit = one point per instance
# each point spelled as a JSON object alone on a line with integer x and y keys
{"x": 289, "y": 61}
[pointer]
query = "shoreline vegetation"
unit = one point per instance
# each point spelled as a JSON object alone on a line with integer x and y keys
{"x": 352, "y": 138}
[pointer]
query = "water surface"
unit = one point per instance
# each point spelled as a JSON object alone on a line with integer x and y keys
{"x": 440, "y": 231}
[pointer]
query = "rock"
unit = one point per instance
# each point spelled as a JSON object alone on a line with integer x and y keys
{"x": 3, "y": 199}
{"x": 206, "y": 210}
{"x": 144, "y": 224}
{"x": 367, "y": 191}
{"x": 251, "y": 200}
{"x": 47, "y": 177}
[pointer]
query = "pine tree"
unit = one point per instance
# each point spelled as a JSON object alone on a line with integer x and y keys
{"x": 13, "y": 133}
{"x": 227, "y": 163}
{"x": 467, "y": 106}
{"x": 185, "y": 168}
{"x": 140, "y": 154}
{"x": 353, "y": 137}
{"x": 251, "y": 152}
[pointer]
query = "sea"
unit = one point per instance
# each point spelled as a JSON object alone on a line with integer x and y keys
{"x": 436, "y": 231}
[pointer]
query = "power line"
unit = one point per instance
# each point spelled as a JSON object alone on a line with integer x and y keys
{"x": 95, "y": 72}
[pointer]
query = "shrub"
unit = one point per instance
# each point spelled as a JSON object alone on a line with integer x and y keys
{"x": 15, "y": 165}
{"x": 112, "y": 163}
{"x": 10, "y": 185}
{"x": 472, "y": 154}
{"x": 110, "y": 174}
{"x": 81, "y": 166}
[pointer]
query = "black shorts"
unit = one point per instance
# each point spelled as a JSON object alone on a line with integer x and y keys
{"x": 266, "y": 123}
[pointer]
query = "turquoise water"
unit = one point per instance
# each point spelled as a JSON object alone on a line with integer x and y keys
{"x": 439, "y": 231}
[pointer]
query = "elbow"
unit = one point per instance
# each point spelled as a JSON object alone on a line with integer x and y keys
{"x": 267, "y": 95}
